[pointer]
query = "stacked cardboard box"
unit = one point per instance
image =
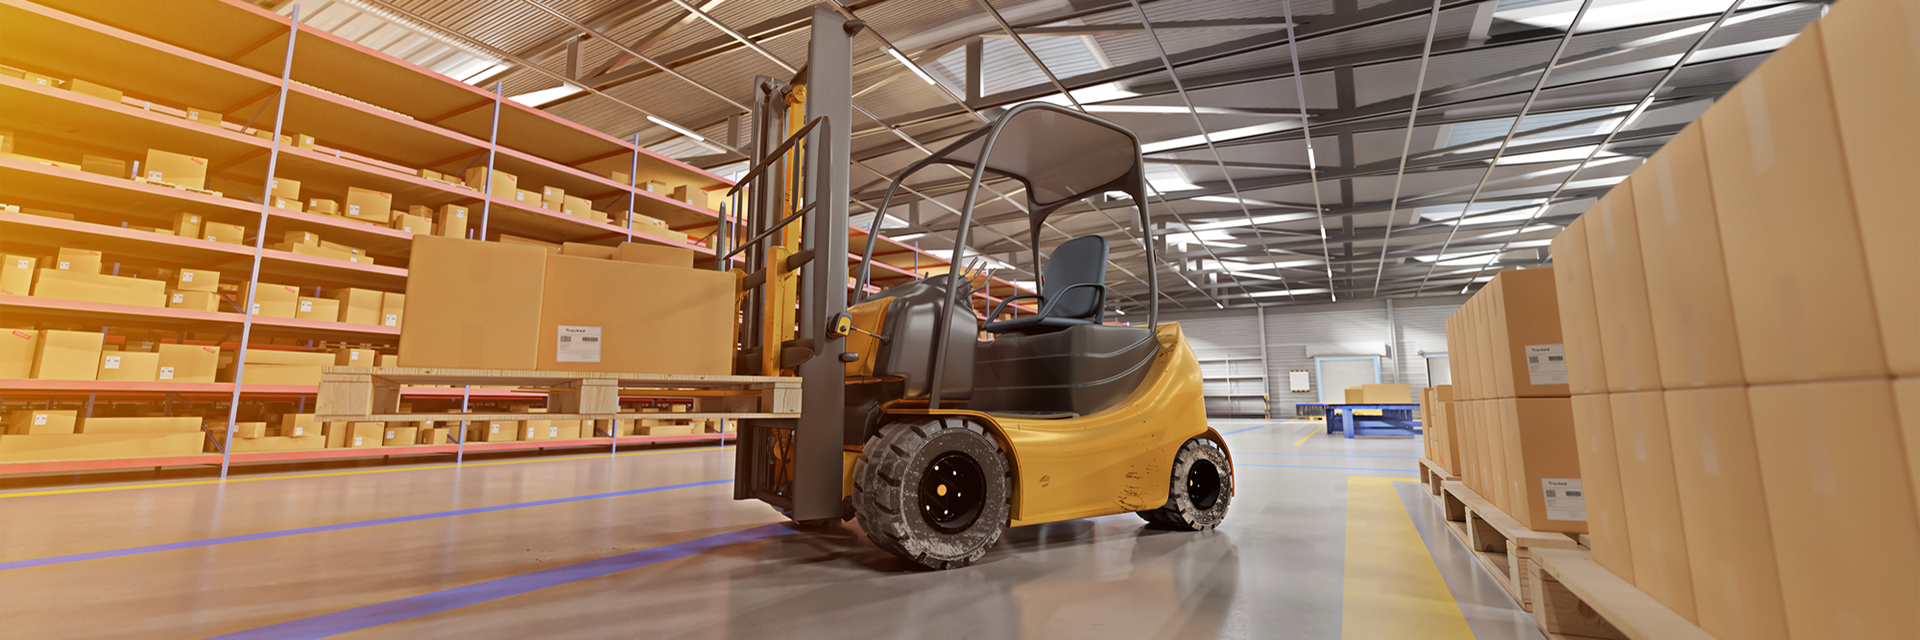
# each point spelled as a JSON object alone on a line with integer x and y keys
{"x": 39, "y": 435}
{"x": 1442, "y": 439}
{"x": 1740, "y": 318}
{"x": 1515, "y": 417}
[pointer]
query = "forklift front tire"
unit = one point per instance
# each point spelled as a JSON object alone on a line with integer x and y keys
{"x": 1202, "y": 488}
{"x": 933, "y": 491}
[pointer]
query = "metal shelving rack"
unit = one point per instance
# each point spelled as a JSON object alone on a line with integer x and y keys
{"x": 377, "y": 120}
{"x": 1229, "y": 378}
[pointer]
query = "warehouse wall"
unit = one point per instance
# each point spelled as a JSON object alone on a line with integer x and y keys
{"x": 1228, "y": 344}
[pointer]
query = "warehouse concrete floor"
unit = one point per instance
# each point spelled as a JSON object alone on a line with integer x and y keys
{"x": 1326, "y": 538}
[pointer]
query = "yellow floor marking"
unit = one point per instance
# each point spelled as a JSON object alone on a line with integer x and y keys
{"x": 1305, "y": 438}
{"x": 191, "y": 483}
{"x": 1392, "y": 587}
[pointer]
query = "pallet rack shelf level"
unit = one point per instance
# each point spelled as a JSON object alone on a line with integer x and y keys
{"x": 371, "y": 394}
{"x": 213, "y": 459}
{"x": 125, "y": 315}
{"x": 122, "y": 244}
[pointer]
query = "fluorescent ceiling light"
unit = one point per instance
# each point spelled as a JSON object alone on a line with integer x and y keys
{"x": 543, "y": 96}
{"x": 1556, "y": 155}
{"x": 1614, "y": 14}
{"x": 677, "y": 128}
{"x": 909, "y": 237}
{"x": 1233, "y": 200}
{"x": 1258, "y": 220}
{"x": 1219, "y": 136}
{"x": 1211, "y": 238}
{"x": 910, "y": 65}
{"x": 1295, "y": 292}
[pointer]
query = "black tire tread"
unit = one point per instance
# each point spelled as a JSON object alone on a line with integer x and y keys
{"x": 878, "y": 484}
{"x": 1178, "y": 513}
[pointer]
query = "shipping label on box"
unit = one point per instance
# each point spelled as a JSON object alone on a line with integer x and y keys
{"x": 577, "y": 344}
{"x": 1564, "y": 499}
{"x": 1546, "y": 364}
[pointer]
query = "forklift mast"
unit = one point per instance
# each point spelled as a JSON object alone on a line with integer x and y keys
{"x": 790, "y": 230}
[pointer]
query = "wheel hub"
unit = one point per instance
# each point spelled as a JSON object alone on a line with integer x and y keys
{"x": 1203, "y": 484}
{"x": 952, "y": 491}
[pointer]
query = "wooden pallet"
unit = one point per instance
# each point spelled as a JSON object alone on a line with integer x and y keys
{"x": 1500, "y": 542}
{"x": 372, "y": 394}
{"x": 1576, "y": 598}
{"x": 1433, "y": 477}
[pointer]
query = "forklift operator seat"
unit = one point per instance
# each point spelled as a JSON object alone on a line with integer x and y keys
{"x": 1073, "y": 293}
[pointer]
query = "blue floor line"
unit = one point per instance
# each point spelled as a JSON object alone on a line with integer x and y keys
{"x": 1246, "y": 429}
{"x": 373, "y": 615}
{"x": 1297, "y": 466}
{"x": 265, "y": 535}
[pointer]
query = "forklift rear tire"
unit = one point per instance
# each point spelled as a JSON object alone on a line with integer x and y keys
{"x": 1201, "y": 490}
{"x": 932, "y": 491}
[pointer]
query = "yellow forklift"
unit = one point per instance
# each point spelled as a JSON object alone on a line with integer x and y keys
{"x": 933, "y": 438}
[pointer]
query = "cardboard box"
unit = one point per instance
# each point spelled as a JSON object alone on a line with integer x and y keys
{"x": 504, "y": 185}
{"x": 300, "y": 425}
{"x": 1795, "y": 263}
{"x": 413, "y": 224}
{"x": 16, "y": 353}
{"x": 1384, "y": 393}
{"x": 544, "y": 246}
{"x": 1499, "y": 480}
{"x": 492, "y": 431}
{"x": 1655, "y": 531}
{"x": 223, "y": 232}
{"x": 362, "y": 435}
{"x": 1906, "y": 393}
{"x": 249, "y": 430}
{"x": 1691, "y": 308}
{"x": 583, "y": 250}
{"x": 1871, "y": 65}
{"x": 452, "y": 222}
{"x": 143, "y": 424}
{"x": 553, "y": 198}
{"x": 1528, "y": 353}
{"x": 369, "y": 206}
{"x": 621, "y": 177}
{"x": 1543, "y": 464}
{"x": 1620, "y": 291}
{"x": 95, "y": 446}
{"x": 341, "y": 248}
{"x": 303, "y": 141}
{"x": 203, "y": 116}
{"x": 691, "y": 195}
{"x": 175, "y": 169}
{"x": 1485, "y": 375}
{"x": 16, "y": 275}
{"x": 398, "y": 436}
{"x": 187, "y": 225}
{"x": 531, "y": 430}
{"x": 205, "y": 280}
{"x": 194, "y": 300}
{"x": 323, "y": 309}
{"x": 392, "y": 308}
{"x": 658, "y": 188}
{"x": 307, "y": 238}
{"x": 77, "y": 260}
{"x": 101, "y": 165}
{"x": 1840, "y": 501}
{"x": 188, "y": 363}
{"x": 129, "y": 366}
{"x": 670, "y": 321}
{"x": 1724, "y": 511}
{"x": 279, "y": 443}
{"x": 355, "y": 357}
{"x": 90, "y": 287}
{"x": 529, "y": 198}
{"x": 323, "y": 206}
{"x": 436, "y": 435}
{"x": 358, "y": 306}
{"x": 1579, "y": 321}
{"x": 100, "y": 91}
{"x": 475, "y": 305}
{"x": 275, "y": 300}
{"x": 289, "y": 205}
{"x": 576, "y": 206}
{"x": 1355, "y": 395}
{"x": 41, "y": 422}
{"x": 284, "y": 187}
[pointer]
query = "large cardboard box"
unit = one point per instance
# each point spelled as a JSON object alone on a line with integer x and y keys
{"x": 1654, "y": 528}
{"x": 691, "y": 195}
{"x": 143, "y": 424}
{"x": 1528, "y": 354}
{"x": 369, "y": 205}
{"x": 668, "y": 320}
{"x": 301, "y": 425}
{"x": 355, "y": 357}
{"x": 1873, "y": 65}
{"x": 1543, "y": 464}
{"x": 413, "y": 224}
{"x": 654, "y": 254}
{"x": 1906, "y": 392}
{"x": 396, "y": 435}
{"x": 194, "y": 300}
{"x": 223, "y": 233}
{"x": 392, "y": 308}
{"x": 473, "y": 305}
{"x": 1691, "y": 307}
{"x": 16, "y": 275}
{"x": 1620, "y": 292}
{"x": 41, "y": 422}
{"x": 1445, "y": 415}
{"x": 1498, "y": 483}
{"x": 361, "y": 435}
{"x": 1841, "y": 504}
{"x": 323, "y": 309}
{"x": 78, "y": 260}
{"x": 94, "y": 287}
{"x": 16, "y": 352}
{"x": 89, "y": 446}
{"x": 196, "y": 280}
{"x": 451, "y": 221}
{"x": 129, "y": 366}
{"x": 272, "y": 366}
{"x": 504, "y": 184}
{"x": 284, "y": 187}
{"x": 1485, "y": 374}
{"x": 358, "y": 306}
{"x": 67, "y": 355}
{"x": 1356, "y": 395}
{"x": 175, "y": 169}
{"x": 275, "y": 300}
{"x": 1579, "y": 321}
{"x": 1386, "y": 393}
{"x": 187, "y": 225}
{"x": 188, "y": 363}
{"x": 1736, "y": 591}
{"x": 1795, "y": 263}
{"x": 493, "y": 431}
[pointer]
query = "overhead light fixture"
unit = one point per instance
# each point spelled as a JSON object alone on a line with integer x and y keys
{"x": 909, "y": 237}
{"x": 543, "y": 96}
{"x": 910, "y": 65}
{"x": 676, "y": 128}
